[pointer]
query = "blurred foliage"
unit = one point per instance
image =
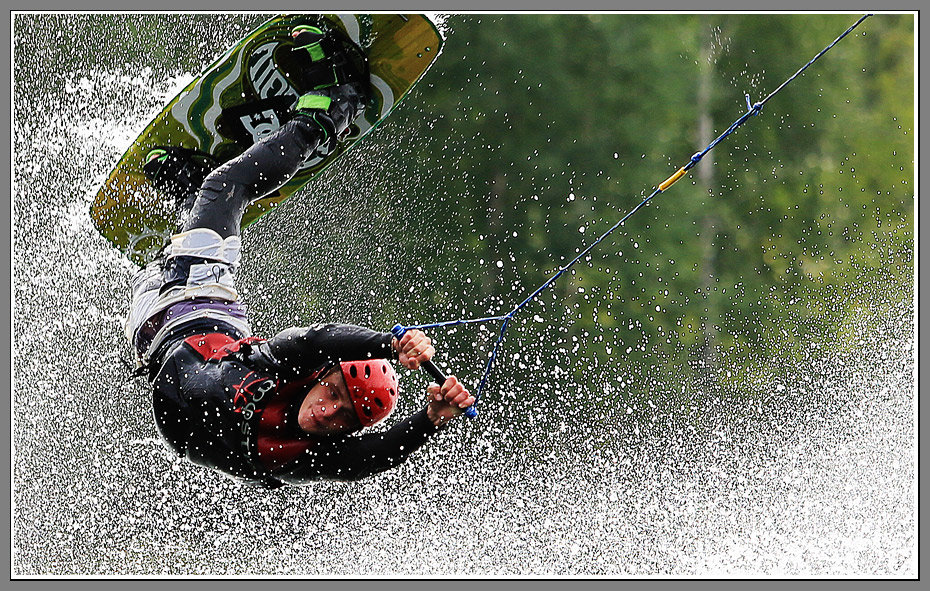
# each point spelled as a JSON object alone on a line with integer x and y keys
{"x": 533, "y": 134}
{"x": 559, "y": 124}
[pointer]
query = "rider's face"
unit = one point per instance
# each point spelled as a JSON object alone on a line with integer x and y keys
{"x": 327, "y": 408}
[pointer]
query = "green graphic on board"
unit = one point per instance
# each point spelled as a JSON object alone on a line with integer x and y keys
{"x": 243, "y": 96}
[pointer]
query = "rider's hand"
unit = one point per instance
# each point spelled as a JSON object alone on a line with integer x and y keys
{"x": 413, "y": 349}
{"x": 447, "y": 402}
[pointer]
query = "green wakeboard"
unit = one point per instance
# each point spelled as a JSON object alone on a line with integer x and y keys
{"x": 242, "y": 96}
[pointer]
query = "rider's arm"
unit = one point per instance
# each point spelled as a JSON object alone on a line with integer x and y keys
{"x": 300, "y": 351}
{"x": 346, "y": 457}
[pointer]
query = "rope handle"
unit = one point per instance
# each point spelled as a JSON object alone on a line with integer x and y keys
{"x": 398, "y": 331}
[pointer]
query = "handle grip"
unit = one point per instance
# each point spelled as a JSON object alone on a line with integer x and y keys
{"x": 434, "y": 371}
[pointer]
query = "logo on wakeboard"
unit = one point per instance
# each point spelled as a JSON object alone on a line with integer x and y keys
{"x": 268, "y": 81}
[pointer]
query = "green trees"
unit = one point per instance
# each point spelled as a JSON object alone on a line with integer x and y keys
{"x": 545, "y": 129}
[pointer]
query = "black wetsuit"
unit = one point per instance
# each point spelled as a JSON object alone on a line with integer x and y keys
{"x": 212, "y": 393}
{"x": 229, "y": 402}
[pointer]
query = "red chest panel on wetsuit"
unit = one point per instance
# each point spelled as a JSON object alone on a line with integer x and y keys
{"x": 279, "y": 438}
{"x": 215, "y": 346}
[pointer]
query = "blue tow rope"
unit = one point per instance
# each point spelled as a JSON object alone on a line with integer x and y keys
{"x": 752, "y": 110}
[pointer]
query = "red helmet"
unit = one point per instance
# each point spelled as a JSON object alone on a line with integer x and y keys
{"x": 373, "y": 388}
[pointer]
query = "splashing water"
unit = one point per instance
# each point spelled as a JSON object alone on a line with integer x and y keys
{"x": 815, "y": 478}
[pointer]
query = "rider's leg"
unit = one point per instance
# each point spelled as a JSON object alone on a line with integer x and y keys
{"x": 264, "y": 167}
{"x": 268, "y": 164}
